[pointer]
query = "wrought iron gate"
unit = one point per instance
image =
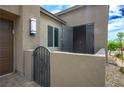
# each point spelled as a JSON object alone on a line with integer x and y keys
{"x": 42, "y": 66}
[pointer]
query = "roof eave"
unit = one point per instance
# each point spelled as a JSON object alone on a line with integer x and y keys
{"x": 42, "y": 10}
{"x": 68, "y": 10}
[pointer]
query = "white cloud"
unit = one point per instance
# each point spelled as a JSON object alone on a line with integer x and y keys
{"x": 114, "y": 10}
{"x": 116, "y": 24}
{"x": 55, "y": 11}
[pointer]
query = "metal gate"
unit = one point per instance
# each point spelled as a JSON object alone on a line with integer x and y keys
{"x": 42, "y": 66}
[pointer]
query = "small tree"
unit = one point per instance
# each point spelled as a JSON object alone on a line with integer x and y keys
{"x": 120, "y": 36}
{"x": 112, "y": 46}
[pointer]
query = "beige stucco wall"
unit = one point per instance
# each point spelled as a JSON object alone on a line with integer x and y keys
{"x": 24, "y": 40}
{"x": 44, "y": 22}
{"x": 15, "y": 9}
{"x": 30, "y": 12}
{"x": 77, "y": 70}
{"x": 28, "y": 59}
{"x": 91, "y": 14}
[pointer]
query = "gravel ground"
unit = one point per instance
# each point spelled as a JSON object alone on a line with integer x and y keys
{"x": 113, "y": 78}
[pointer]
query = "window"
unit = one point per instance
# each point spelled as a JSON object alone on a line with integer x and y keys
{"x": 56, "y": 34}
{"x": 53, "y": 37}
{"x": 50, "y": 36}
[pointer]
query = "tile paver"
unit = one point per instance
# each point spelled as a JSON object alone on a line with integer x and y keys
{"x": 16, "y": 80}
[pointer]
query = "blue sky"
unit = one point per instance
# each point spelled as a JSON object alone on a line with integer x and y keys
{"x": 56, "y": 8}
{"x": 115, "y": 20}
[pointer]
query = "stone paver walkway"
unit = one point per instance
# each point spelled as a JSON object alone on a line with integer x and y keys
{"x": 114, "y": 78}
{"x": 16, "y": 80}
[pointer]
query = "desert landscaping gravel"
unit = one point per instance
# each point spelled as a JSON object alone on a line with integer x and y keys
{"x": 113, "y": 78}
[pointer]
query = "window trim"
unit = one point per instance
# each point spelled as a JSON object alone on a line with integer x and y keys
{"x": 53, "y": 45}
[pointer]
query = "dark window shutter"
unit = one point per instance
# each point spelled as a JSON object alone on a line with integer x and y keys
{"x": 56, "y": 37}
{"x": 50, "y": 36}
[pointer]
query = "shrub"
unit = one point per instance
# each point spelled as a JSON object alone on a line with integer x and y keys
{"x": 122, "y": 69}
{"x": 120, "y": 56}
{"x": 112, "y": 45}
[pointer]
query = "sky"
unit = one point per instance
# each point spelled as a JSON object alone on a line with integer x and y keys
{"x": 115, "y": 19}
{"x": 56, "y": 8}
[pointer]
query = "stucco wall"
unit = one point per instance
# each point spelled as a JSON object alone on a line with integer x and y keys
{"x": 28, "y": 59}
{"x": 77, "y": 70}
{"x": 91, "y": 14}
{"x": 29, "y": 41}
{"x": 44, "y": 22}
{"x": 24, "y": 40}
{"x": 15, "y": 9}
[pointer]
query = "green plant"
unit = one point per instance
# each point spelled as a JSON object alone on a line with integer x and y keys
{"x": 120, "y": 38}
{"x": 121, "y": 69}
{"x": 112, "y": 46}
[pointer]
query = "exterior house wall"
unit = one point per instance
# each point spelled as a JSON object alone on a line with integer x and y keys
{"x": 27, "y": 41}
{"x": 15, "y": 9}
{"x": 44, "y": 22}
{"x": 91, "y": 14}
